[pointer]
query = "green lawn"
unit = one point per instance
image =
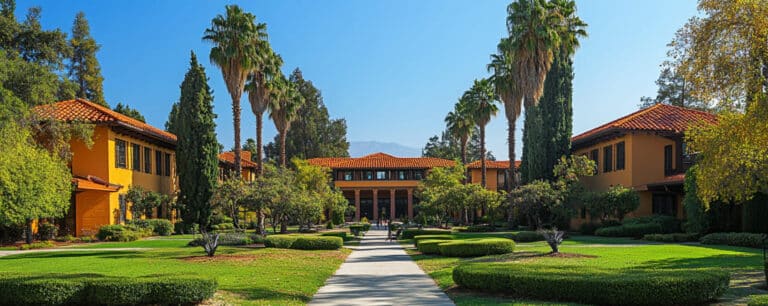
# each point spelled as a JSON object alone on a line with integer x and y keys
{"x": 246, "y": 276}
{"x": 745, "y": 264}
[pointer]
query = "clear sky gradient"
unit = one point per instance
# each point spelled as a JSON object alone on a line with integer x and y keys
{"x": 392, "y": 69}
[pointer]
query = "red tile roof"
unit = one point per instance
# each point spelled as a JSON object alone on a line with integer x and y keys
{"x": 670, "y": 180}
{"x": 87, "y": 111}
{"x": 381, "y": 161}
{"x": 229, "y": 158}
{"x": 492, "y": 164}
{"x": 659, "y": 118}
{"x": 91, "y": 182}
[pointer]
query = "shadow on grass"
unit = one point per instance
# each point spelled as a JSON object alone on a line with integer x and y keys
{"x": 264, "y": 294}
{"x": 77, "y": 254}
{"x": 717, "y": 261}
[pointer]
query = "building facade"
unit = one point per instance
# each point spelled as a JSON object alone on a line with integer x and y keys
{"x": 644, "y": 150}
{"x": 496, "y": 174}
{"x": 227, "y": 166}
{"x": 124, "y": 152}
{"x": 380, "y": 186}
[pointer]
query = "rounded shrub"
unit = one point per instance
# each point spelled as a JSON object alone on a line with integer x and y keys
{"x": 280, "y": 241}
{"x": 410, "y": 233}
{"x": 342, "y": 235}
{"x": 180, "y": 290}
{"x": 418, "y": 238}
{"x": 161, "y": 227}
{"x": 477, "y": 247}
{"x": 116, "y": 291}
{"x": 317, "y": 243}
{"x": 749, "y": 240}
{"x": 590, "y": 285}
{"x": 758, "y": 300}
{"x": 676, "y": 237}
{"x": 30, "y": 290}
{"x": 528, "y": 236}
{"x": 117, "y": 232}
{"x": 430, "y": 246}
{"x": 636, "y": 230}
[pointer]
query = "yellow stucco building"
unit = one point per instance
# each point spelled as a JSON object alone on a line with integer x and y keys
{"x": 644, "y": 150}
{"x": 496, "y": 173}
{"x": 125, "y": 152}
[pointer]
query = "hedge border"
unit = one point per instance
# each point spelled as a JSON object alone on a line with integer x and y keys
{"x": 477, "y": 247}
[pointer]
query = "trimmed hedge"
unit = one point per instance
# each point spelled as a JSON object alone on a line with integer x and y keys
{"x": 676, "y": 237}
{"x": 37, "y": 245}
{"x": 303, "y": 242}
{"x": 342, "y": 235}
{"x": 280, "y": 241}
{"x": 749, "y": 240}
{"x": 528, "y": 236}
{"x": 430, "y": 246}
{"x": 635, "y": 230}
{"x": 410, "y": 233}
{"x": 668, "y": 224}
{"x": 161, "y": 227}
{"x": 478, "y": 229}
{"x": 92, "y": 289}
{"x": 595, "y": 285}
{"x": 758, "y": 300}
{"x": 477, "y": 247}
{"x": 317, "y": 243}
{"x": 416, "y": 239}
{"x": 117, "y": 232}
{"x": 356, "y": 229}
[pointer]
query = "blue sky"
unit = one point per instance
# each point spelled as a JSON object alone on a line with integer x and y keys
{"x": 392, "y": 69}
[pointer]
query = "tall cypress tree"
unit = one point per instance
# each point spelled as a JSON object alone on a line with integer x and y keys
{"x": 548, "y": 126}
{"x": 84, "y": 68}
{"x": 197, "y": 149}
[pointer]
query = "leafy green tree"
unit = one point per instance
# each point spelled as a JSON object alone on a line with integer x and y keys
{"x": 264, "y": 195}
{"x": 447, "y": 146}
{"x": 229, "y": 197}
{"x": 84, "y": 68}
{"x": 197, "y": 150}
{"x": 315, "y": 135}
{"x": 260, "y": 93}
{"x": 696, "y": 215}
{"x": 283, "y": 110}
{"x": 34, "y": 183}
{"x": 460, "y": 124}
{"x": 548, "y": 125}
{"x": 250, "y": 146}
{"x": 128, "y": 111}
{"x": 33, "y": 44}
{"x": 173, "y": 118}
{"x": 673, "y": 90}
{"x": 616, "y": 202}
{"x": 481, "y": 103}
{"x": 236, "y": 39}
{"x": 439, "y": 192}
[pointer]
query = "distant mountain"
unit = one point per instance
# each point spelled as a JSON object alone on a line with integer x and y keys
{"x": 362, "y": 148}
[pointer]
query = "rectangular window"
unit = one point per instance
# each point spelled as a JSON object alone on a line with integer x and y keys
{"x": 368, "y": 175}
{"x": 347, "y": 175}
{"x": 158, "y": 162}
{"x": 381, "y": 175}
{"x": 147, "y": 160}
{"x": 167, "y": 164}
{"x": 668, "y": 160}
{"x": 136, "y": 157}
{"x": 401, "y": 175}
{"x": 620, "y": 158}
{"x": 123, "y": 208}
{"x": 608, "y": 159}
{"x": 418, "y": 174}
{"x": 120, "y": 154}
{"x": 593, "y": 155}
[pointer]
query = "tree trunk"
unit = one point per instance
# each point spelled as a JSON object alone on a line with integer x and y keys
{"x": 482, "y": 156}
{"x": 260, "y": 221}
{"x": 464, "y": 157}
{"x": 512, "y": 177}
{"x": 238, "y": 148}
{"x": 28, "y": 231}
{"x": 283, "y": 226}
{"x": 259, "y": 129}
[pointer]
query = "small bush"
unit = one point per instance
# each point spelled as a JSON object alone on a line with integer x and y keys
{"x": 117, "y": 232}
{"x": 329, "y": 225}
{"x": 87, "y": 239}
{"x": 528, "y": 236}
{"x": 356, "y": 229}
{"x": 749, "y": 240}
{"x": 758, "y": 300}
{"x": 588, "y": 228}
{"x": 418, "y": 238}
{"x": 280, "y": 241}
{"x": 595, "y": 285}
{"x": 668, "y": 224}
{"x": 90, "y": 289}
{"x": 430, "y": 246}
{"x": 161, "y": 227}
{"x": 342, "y": 235}
{"x": 65, "y": 238}
{"x": 410, "y": 233}
{"x": 234, "y": 239}
{"x": 223, "y": 227}
{"x": 676, "y": 237}
{"x": 181, "y": 228}
{"x": 630, "y": 230}
{"x": 366, "y": 226}
{"x": 477, "y": 247}
{"x": 478, "y": 229}
{"x": 47, "y": 231}
{"x": 36, "y": 245}
{"x": 317, "y": 243}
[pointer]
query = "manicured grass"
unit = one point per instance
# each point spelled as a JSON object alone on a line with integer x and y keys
{"x": 599, "y": 252}
{"x": 246, "y": 276}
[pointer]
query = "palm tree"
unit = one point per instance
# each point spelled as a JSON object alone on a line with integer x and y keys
{"x": 236, "y": 40}
{"x": 481, "y": 105}
{"x": 461, "y": 125}
{"x": 259, "y": 95}
{"x": 283, "y": 109}
{"x": 521, "y": 65}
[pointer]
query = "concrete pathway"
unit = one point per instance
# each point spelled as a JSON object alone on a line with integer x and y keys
{"x": 379, "y": 272}
{"x": 63, "y": 249}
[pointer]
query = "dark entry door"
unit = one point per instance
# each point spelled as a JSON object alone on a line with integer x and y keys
{"x": 366, "y": 209}
{"x": 664, "y": 204}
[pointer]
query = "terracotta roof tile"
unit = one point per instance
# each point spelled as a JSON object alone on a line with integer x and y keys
{"x": 87, "y": 111}
{"x": 660, "y": 117}
{"x": 229, "y": 158}
{"x": 381, "y": 161}
{"x": 492, "y": 164}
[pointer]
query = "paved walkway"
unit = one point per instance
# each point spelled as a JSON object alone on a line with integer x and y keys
{"x": 63, "y": 249}
{"x": 379, "y": 272}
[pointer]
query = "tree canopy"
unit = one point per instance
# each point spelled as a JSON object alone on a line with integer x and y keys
{"x": 84, "y": 68}
{"x": 128, "y": 111}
